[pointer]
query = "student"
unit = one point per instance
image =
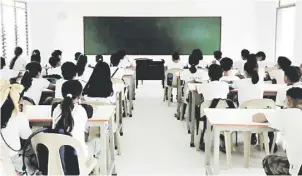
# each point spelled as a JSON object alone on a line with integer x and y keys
{"x": 292, "y": 76}
{"x": 260, "y": 56}
{"x": 197, "y": 53}
{"x": 288, "y": 122}
{"x": 18, "y": 62}
{"x": 72, "y": 117}
{"x": 57, "y": 53}
{"x": 35, "y": 56}
{"x": 76, "y": 56}
{"x": 176, "y": 62}
{"x": 55, "y": 63}
{"x": 217, "y": 57}
{"x": 227, "y": 65}
{"x": 6, "y": 73}
{"x": 124, "y": 60}
{"x": 14, "y": 125}
{"x": 99, "y": 84}
{"x": 98, "y": 58}
{"x": 69, "y": 72}
{"x": 250, "y": 87}
{"x": 193, "y": 74}
{"x": 33, "y": 83}
{"x": 239, "y": 65}
{"x": 81, "y": 66}
{"x": 114, "y": 60}
{"x": 277, "y": 72}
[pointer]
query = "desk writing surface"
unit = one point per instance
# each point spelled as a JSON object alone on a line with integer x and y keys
{"x": 235, "y": 117}
{"x": 42, "y": 113}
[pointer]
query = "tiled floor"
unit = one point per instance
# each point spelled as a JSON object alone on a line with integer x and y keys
{"x": 155, "y": 143}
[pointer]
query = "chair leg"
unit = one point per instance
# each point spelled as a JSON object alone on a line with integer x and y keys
{"x": 266, "y": 145}
{"x": 247, "y": 148}
{"x": 117, "y": 143}
{"x": 228, "y": 147}
{"x": 260, "y": 141}
{"x": 169, "y": 95}
{"x": 165, "y": 94}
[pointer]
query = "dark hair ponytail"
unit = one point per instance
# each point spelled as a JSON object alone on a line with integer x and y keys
{"x": 193, "y": 61}
{"x": 71, "y": 90}
{"x": 32, "y": 70}
{"x": 18, "y": 52}
{"x": 81, "y": 64}
{"x": 252, "y": 70}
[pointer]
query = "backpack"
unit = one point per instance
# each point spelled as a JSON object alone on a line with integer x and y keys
{"x": 169, "y": 79}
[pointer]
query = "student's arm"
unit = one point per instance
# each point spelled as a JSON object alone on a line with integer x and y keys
{"x": 276, "y": 119}
{"x": 280, "y": 98}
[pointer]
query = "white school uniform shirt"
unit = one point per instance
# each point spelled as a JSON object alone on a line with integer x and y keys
{"x": 179, "y": 65}
{"x": 36, "y": 89}
{"x": 20, "y": 63}
{"x": 247, "y": 90}
{"x": 58, "y": 91}
{"x": 281, "y": 94}
{"x": 6, "y": 73}
{"x": 202, "y": 64}
{"x": 200, "y": 75}
{"x": 229, "y": 78}
{"x": 17, "y": 127}
{"x": 277, "y": 74}
{"x": 80, "y": 119}
{"x": 288, "y": 122}
{"x": 125, "y": 62}
{"x": 214, "y": 89}
{"x": 55, "y": 71}
{"x": 239, "y": 65}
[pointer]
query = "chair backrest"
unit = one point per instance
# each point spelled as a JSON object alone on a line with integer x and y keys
{"x": 28, "y": 101}
{"x": 54, "y": 159}
{"x": 258, "y": 104}
{"x": 117, "y": 81}
{"x": 222, "y": 104}
{"x": 97, "y": 101}
{"x": 173, "y": 72}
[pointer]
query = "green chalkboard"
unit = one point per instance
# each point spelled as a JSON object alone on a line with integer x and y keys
{"x": 151, "y": 35}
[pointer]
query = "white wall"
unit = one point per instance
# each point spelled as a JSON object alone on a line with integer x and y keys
{"x": 245, "y": 23}
{"x": 298, "y": 35}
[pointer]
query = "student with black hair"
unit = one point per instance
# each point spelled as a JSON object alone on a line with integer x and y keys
{"x": 124, "y": 61}
{"x": 277, "y": 73}
{"x": 98, "y": 58}
{"x": 81, "y": 67}
{"x": 99, "y": 85}
{"x": 57, "y": 53}
{"x": 76, "y": 56}
{"x": 260, "y": 56}
{"x": 251, "y": 87}
{"x": 33, "y": 83}
{"x": 5, "y": 72}
{"x": 217, "y": 57}
{"x": 292, "y": 76}
{"x": 14, "y": 125}
{"x": 69, "y": 72}
{"x": 72, "y": 118}
{"x": 176, "y": 62}
{"x": 114, "y": 60}
{"x": 239, "y": 64}
{"x": 227, "y": 65}
{"x": 288, "y": 122}
{"x": 198, "y": 54}
{"x": 18, "y": 63}
{"x": 35, "y": 56}
{"x": 55, "y": 63}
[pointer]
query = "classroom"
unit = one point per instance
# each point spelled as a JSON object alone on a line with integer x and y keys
{"x": 161, "y": 87}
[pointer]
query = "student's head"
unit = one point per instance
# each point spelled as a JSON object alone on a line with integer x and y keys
{"x": 18, "y": 51}
{"x": 71, "y": 92}
{"x": 33, "y": 70}
{"x": 226, "y": 64}
{"x": 114, "y": 60}
{"x": 251, "y": 71}
{"x": 292, "y": 75}
{"x": 100, "y": 80}
{"x": 35, "y": 56}
{"x": 69, "y": 70}
{"x": 9, "y": 100}
{"x": 193, "y": 62}
{"x": 197, "y": 53}
{"x": 252, "y": 59}
{"x": 54, "y": 61}
{"x": 57, "y": 53}
{"x": 99, "y": 57}
{"x": 260, "y": 56}
{"x": 121, "y": 54}
{"x": 294, "y": 97}
{"x": 175, "y": 57}
{"x": 215, "y": 72}
{"x": 81, "y": 64}
{"x": 283, "y": 62}
{"x": 217, "y": 55}
{"x": 3, "y": 63}
{"x": 244, "y": 54}
{"x": 77, "y": 55}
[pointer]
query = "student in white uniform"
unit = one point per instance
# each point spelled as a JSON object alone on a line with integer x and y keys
{"x": 81, "y": 67}
{"x": 227, "y": 65}
{"x": 69, "y": 72}
{"x": 277, "y": 73}
{"x": 287, "y": 121}
{"x": 197, "y": 53}
{"x": 57, "y": 53}
{"x": 35, "y": 56}
{"x": 176, "y": 62}
{"x": 18, "y": 62}
{"x": 55, "y": 69}
{"x": 250, "y": 87}
{"x": 261, "y": 56}
{"x": 72, "y": 117}
{"x": 14, "y": 125}
{"x": 98, "y": 58}
{"x": 239, "y": 64}
{"x": 5, "y": 72}
{"x": 33, "y": 83}
{"x": 76, "y": 56}
{"x": 124, "y": 61}
{"x": 99, "y": 86}
{"x": 217, "y": 58}
{"x": 292, "y": 76}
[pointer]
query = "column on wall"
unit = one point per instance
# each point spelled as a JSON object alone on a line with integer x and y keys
{"x": 298, "y": 35}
